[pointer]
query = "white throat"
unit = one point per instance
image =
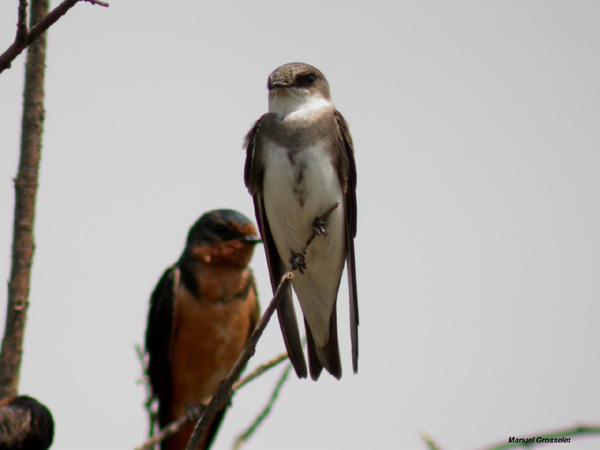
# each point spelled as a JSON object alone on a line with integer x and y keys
{"x": 296, "y": 102}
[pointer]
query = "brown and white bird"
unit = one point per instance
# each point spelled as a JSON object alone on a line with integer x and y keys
{"x": 300, "y": 162}
{"x": 202, "y": 313}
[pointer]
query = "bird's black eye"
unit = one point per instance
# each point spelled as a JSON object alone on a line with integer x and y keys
{"x": 310, "y": 78}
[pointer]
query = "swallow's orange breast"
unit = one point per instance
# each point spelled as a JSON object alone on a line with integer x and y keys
{"x": 209, "y": 333}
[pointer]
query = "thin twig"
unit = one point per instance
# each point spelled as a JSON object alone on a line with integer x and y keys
{"x": 173, "y": 428}
{"x": 431, "y": 445}
{"x": 224, "y": 392}
{"x": 259, "y": 371}
{"x": 145, "y": 381}
{"x": 24, "y": 38}
{"x": 196, "y": 411}
{"x": 246, "y": 434}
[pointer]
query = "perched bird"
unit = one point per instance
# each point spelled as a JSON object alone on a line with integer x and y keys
{"x": 202, "y": 312}
{"x": 25, "y": 424}
{"x": 299, "y": 163}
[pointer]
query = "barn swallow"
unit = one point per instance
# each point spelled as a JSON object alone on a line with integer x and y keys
{"x": 25, "y": 424}
{"x": 299, "y": 163}
{"x": 202, "y": 312}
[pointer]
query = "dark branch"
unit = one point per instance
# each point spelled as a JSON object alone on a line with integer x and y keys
{"x": 22, "y": 22}
{"x": 24, "y": 38}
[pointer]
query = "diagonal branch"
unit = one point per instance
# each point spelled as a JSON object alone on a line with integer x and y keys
{"x": 25, "y": 38}
{"x": 224, "y": 392}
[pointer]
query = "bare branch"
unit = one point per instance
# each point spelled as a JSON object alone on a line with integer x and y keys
{"x": 26, "y": 185}
{"x": 39, "y": 26}
{"x": 224, "y": 392}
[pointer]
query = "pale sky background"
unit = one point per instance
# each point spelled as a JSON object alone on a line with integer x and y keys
{"x": 477, "y": 134}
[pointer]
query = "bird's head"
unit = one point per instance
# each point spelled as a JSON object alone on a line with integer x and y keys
{"x": 296, "y": 87}
{"x": 222, "y": 236}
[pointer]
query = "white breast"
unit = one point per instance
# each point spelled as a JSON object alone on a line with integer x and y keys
{"x": 296, "y": 190}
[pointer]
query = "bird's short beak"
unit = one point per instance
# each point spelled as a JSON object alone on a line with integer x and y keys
{"x": 251, "y": 238}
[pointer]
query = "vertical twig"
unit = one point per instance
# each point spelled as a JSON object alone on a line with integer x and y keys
{"x": 26, "y": 185}
{"x": 22, "y": 22}
{"x": 144, "y": 380}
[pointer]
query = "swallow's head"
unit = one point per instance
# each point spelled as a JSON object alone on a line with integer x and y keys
{"x": 222, "y": 236}
{"x": 297, "y": 87}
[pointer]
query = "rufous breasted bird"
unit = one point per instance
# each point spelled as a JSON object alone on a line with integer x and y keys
{"x": 299, "y": 163}
{"x": 25, "y": 424}
{"x": 202, "y": 312}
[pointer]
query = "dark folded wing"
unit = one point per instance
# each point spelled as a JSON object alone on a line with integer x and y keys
{"x": 158, "y": 340}
{"x": 347, "y": 174}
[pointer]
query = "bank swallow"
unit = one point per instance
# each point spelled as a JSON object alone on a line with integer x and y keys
{"x": 299, "y": 163}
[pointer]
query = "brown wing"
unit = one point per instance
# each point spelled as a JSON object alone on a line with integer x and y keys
{"x": 253, "y": 177}
{"x": 347, "y": 174}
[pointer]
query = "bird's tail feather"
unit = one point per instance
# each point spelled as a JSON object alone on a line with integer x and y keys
{"x": 327, "y": 356}
{"x": 291, "y": 334}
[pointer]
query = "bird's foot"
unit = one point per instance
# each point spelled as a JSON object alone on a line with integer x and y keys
{"x": 319, "y": 227}
{"x": 298, "y": 262}
{"x": 194, "y": 412}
